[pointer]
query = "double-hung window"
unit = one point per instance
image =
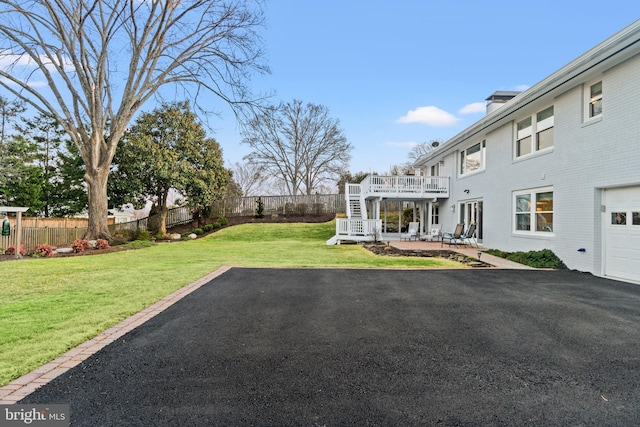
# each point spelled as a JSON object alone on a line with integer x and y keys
{"x": 595, "y": 100}
{"x": 473, "y": 158}
{"x": 533, "y": 211}
{"x": 535, "y": 133}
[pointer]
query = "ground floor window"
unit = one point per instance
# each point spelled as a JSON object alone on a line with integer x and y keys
{"x": 435, "y": 214}
{"x": 533, "y": 210}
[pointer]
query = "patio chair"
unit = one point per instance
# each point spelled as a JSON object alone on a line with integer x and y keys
{"x": 412, "y": 231}
{"x": 434, "y": 234}
{"x": 453, "y": 237}
{"x": 469, "y": 235}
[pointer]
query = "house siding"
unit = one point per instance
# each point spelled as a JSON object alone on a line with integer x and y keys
{"x": 586, "y": 158}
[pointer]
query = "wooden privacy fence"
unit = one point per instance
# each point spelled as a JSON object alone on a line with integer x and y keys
{"x": 319, "y": 204}
{"x": 32, "y": 237}
{"x": 315, "y": 204}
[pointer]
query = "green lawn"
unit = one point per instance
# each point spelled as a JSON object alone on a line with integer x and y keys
{"x": 49, "y": 306}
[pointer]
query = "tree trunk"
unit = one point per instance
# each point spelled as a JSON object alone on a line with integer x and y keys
{"x": 162, "y": 222}
{"x": 98, "y": 205}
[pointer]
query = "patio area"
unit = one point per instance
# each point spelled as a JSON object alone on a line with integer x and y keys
{"x": 467, "y": 250}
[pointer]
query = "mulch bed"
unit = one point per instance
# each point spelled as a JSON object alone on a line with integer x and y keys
{"x": 385, "y": 250}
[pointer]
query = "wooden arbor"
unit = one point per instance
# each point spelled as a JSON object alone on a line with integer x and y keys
{"x": 4, "y": 210}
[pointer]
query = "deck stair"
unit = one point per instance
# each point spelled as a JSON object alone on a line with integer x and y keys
{"x": 356, "y": 206}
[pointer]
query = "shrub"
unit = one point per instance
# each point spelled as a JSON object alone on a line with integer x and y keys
{"x": 207, "y": 227}
{"x": 137, "y": 244}
{"x": 11, "y": 250}
{"x": 259, "y": 208}
{"x": 122, "y": 236}
{"x": 80, "y": 245}
{"x": 198, "y": 231}
{"x": 538, "y": 259}
{"x": 222, "y": 221}
{"x": 44, "y": 250}
{"x": 301, "y": 209}
{"x": 142, "y": 234}
{"x": 102, "y": 244}
{"x": 289, "y": 208}
{"x": 216, "y": 224}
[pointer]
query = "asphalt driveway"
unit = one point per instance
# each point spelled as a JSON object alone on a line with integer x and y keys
{"x": 372, "y": 347}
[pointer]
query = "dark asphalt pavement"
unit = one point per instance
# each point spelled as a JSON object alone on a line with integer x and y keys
{"x": 329, "y": 347}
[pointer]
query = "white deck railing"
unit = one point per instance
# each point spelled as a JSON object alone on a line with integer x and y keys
{"x": 358, "y": 229}
{"x": 408, "y": 186}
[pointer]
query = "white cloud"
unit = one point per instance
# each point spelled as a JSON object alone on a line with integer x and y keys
{"x": 32, "y": 83}
{"x": 522, "y": 88}
{"x": 476, "y": 107}
{"x": 408, "y": 144}
{"x": 8, "y": 59}
{"x": 430, "y": 115}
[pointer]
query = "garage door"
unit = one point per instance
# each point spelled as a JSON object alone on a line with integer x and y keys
{"x": 622, "y": 233}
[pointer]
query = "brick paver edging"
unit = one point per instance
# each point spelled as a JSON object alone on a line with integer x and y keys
{"x": 27, "y": 384}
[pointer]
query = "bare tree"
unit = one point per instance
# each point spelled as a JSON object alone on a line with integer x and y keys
{"x": 249, "y": 177}
{"x": 301, "y": 144}
{"x": 421, "y": 149}
{"x": 92, "y": 64}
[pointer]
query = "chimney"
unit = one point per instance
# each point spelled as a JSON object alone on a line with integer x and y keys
{"x": 498, "y": 99}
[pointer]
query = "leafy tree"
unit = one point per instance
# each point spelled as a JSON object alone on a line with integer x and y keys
{"x": 69, "y": 193}
{"x": 103, "y": 59}
{"x": 168, "y": 149}
{"x": 21, "y": 181}
{"x": 8, "y": 111}
{"x": 300, "y": 144}
{"x": 45, "y": 136}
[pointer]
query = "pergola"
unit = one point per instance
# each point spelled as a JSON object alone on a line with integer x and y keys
{"x": 18, "y": 211}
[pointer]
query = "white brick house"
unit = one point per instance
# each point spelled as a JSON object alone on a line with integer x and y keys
{"x": 557, "y": 166}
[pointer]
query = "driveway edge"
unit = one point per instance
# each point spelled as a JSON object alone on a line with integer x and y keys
{"x": 28, "y": 383}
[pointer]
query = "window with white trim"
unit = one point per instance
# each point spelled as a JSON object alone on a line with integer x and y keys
{"x": 533, "y": 211}
{"x": 535, "y": 133}
{"x": 595, "y": 100}
{"x": 473, "y": 158}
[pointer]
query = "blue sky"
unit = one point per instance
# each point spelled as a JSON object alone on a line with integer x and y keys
{"x": 396, "y": 74}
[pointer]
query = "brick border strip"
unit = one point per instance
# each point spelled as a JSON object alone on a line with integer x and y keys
{"x": 28, "y": 383}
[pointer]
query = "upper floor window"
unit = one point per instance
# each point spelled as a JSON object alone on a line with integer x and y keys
{"x": 595, "y": 99}
{"x": 473, "y": 158}
{"x": 533, "y": 211}
{"x": 535, "y": 133}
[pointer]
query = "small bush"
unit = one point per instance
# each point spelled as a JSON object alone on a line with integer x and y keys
{"x": 222, "y": 221}
{"x": 198, "y": 231}
{"x": 216, "y": 224}
{"x": 537, "y": 259}
{"x": 207, "y": 227}
{"x": 302, "y": 209}
{"x": 102, "y": 244}
{"x": 142, "y": 234}
{"x": 80, "y": 245}
{"x": 11, "y": 250}
{"x": 259, "y": 208}
{"x": 136, "y": 244}
{"x": 122, "y": 236}
{"x": 44, "y": 250}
